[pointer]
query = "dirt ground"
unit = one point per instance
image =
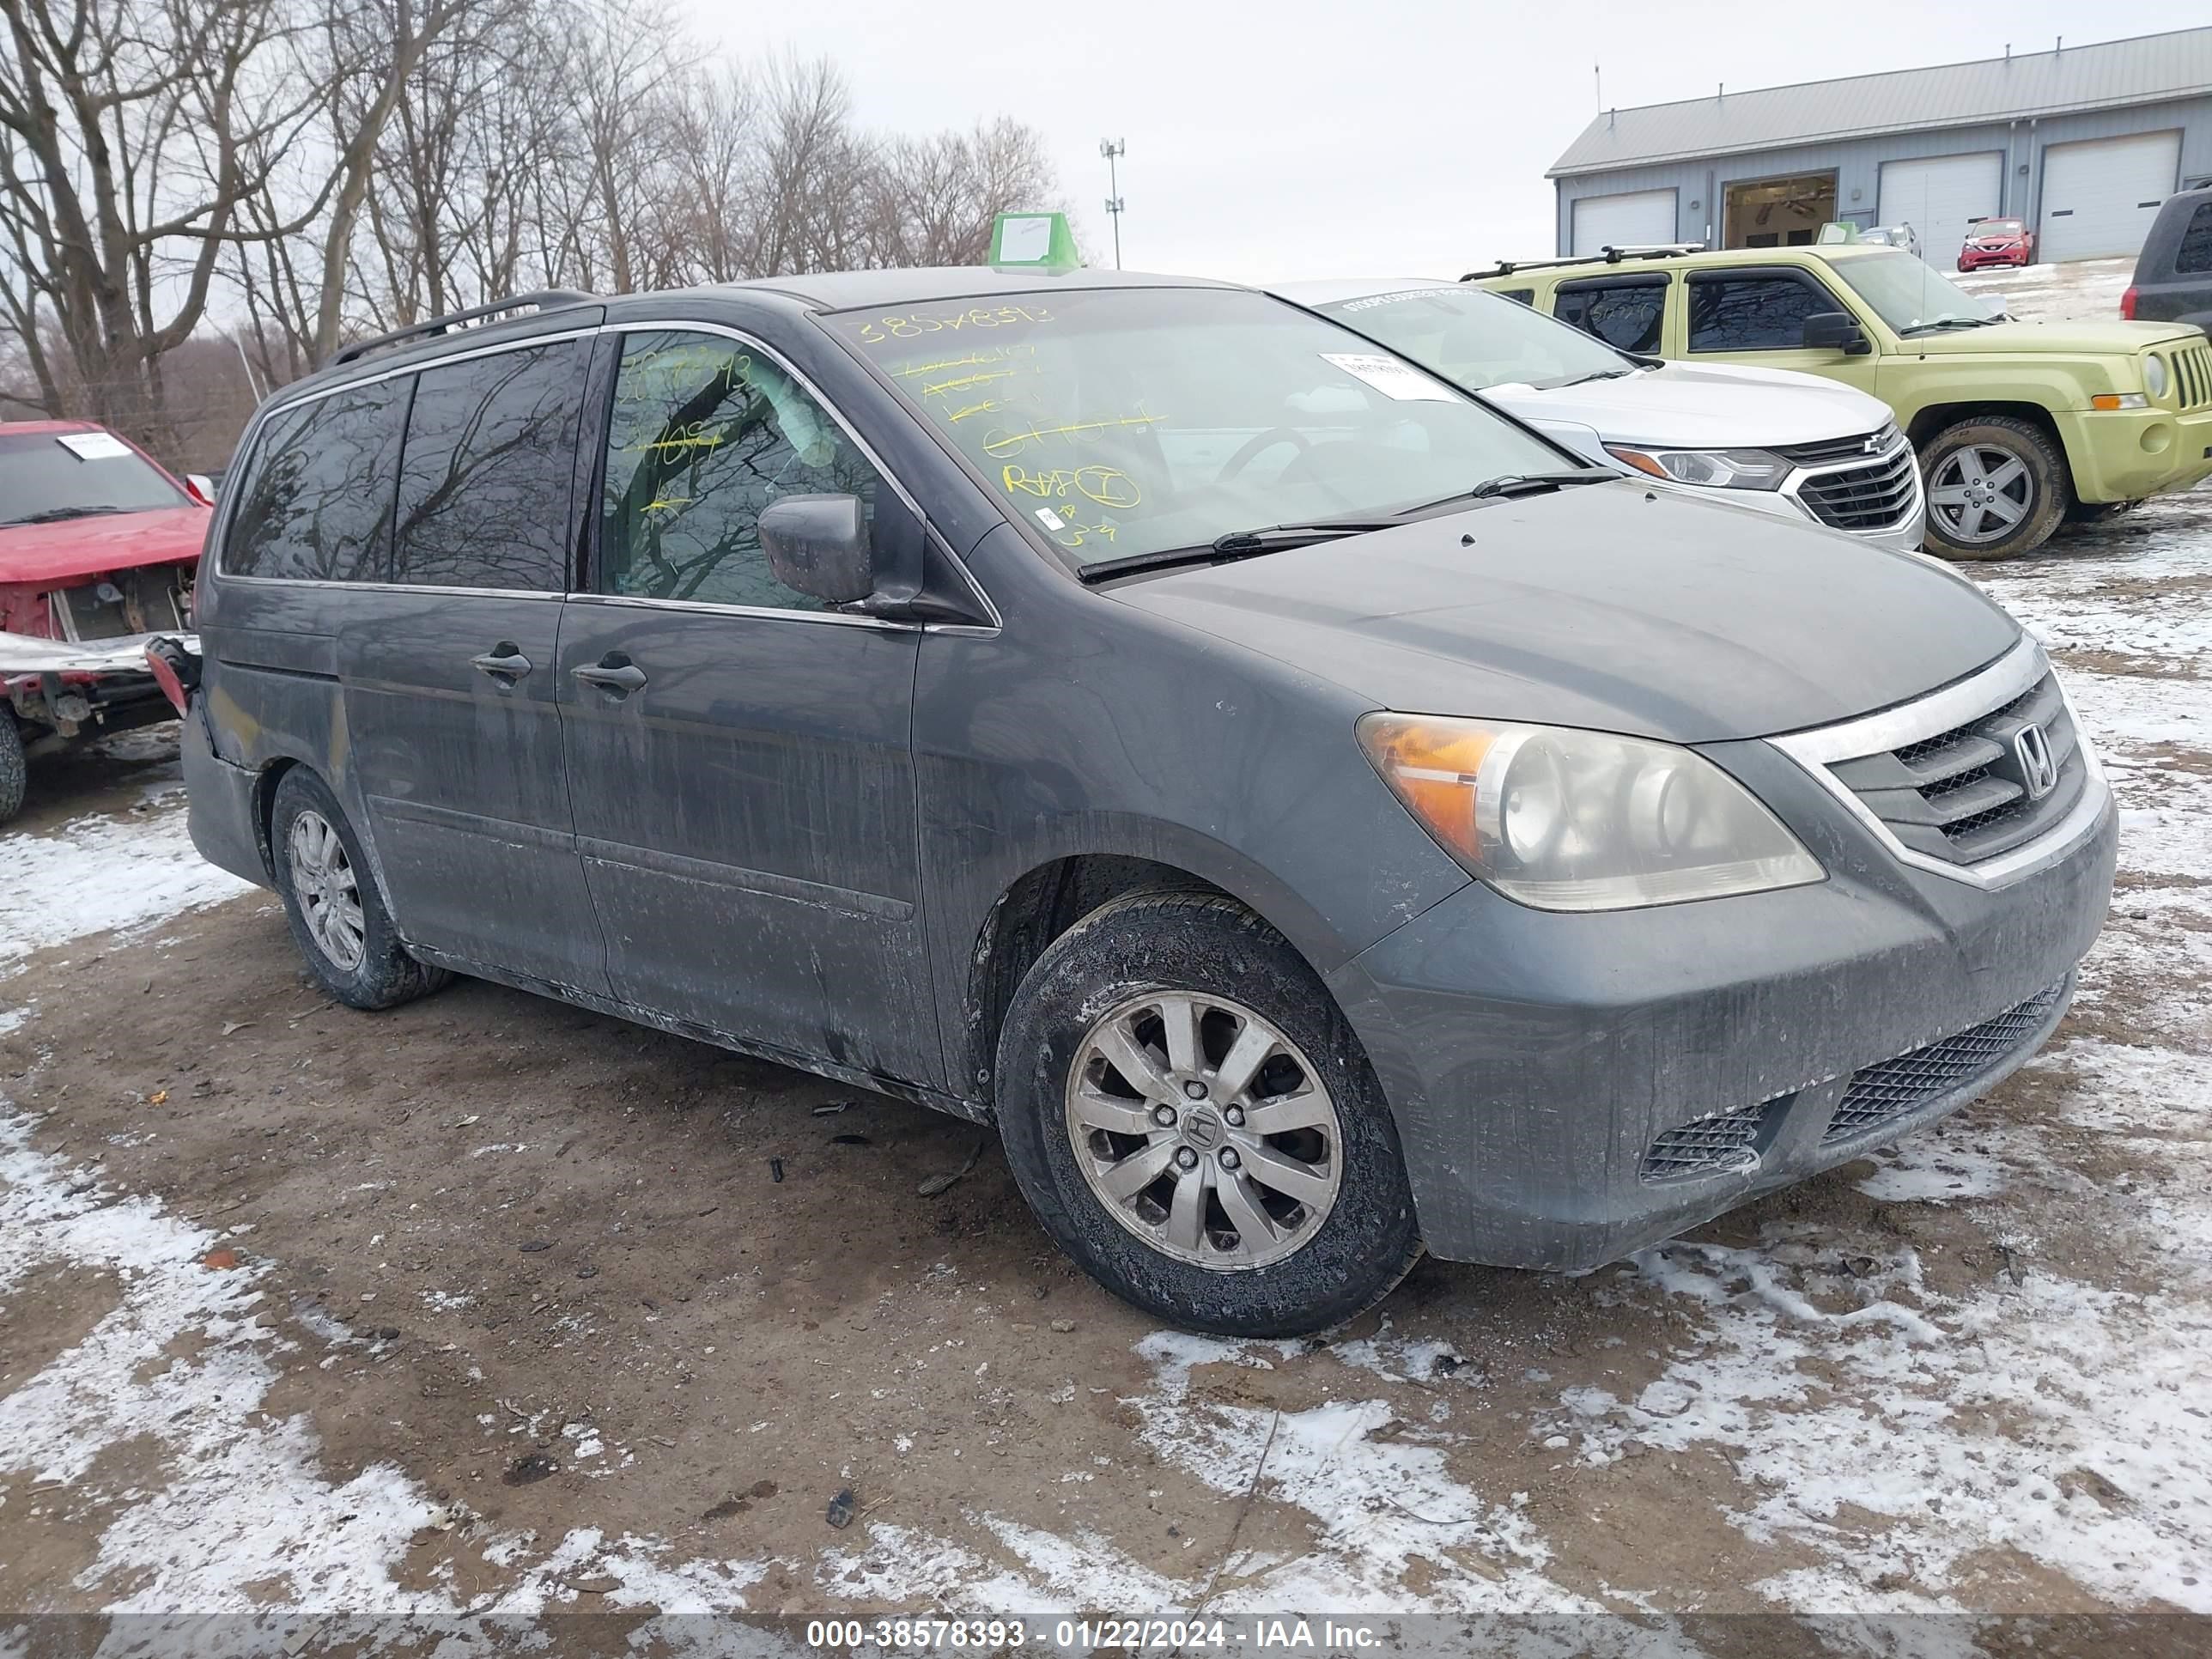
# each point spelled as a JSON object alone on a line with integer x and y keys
{"x": 488, "y": 1306}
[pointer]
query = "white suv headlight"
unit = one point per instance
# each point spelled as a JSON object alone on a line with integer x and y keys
{"x": 1717, "y": 468}
{"x": 1562, "y": 819}
{"x": 2155, "y": 376}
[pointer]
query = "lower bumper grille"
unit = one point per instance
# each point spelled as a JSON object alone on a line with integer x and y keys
{"x": 1891, "y": 1088}
{"x": 1711, "y": 1146}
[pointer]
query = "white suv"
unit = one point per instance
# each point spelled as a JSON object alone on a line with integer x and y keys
{"x": 1766, "y": 438}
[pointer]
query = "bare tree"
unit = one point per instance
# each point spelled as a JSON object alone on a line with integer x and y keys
{"x": 132, "y": 129}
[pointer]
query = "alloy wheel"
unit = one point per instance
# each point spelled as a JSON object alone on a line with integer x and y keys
{"x": 323, "y": 883}
{"x": 1204, "y": 1130}
{"x": 1980, "y": 493}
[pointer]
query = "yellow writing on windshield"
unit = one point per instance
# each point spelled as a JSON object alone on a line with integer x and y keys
{"x": 965, "y": 381}
{"x": 973, "y": 360}
{"x": 914, "y": 325}
{"x": 1000, "y": 444}
{"x": 986, "y": 407}
{"x": 1108, "y": 486}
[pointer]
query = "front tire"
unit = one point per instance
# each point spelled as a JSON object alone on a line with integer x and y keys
{"x": 1189, "y": 1115}
{"x": 15, "y": 769}
{"x": 338, "y": 918}
{"x": 1997, "y": 487}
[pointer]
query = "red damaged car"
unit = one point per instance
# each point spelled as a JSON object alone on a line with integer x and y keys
{"x": 98, "y": 547}
{"x": 1996, "y": 242}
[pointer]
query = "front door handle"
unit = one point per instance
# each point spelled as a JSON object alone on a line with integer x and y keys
{"x": 504, "y": 662}
{"x": 613, "y": 674}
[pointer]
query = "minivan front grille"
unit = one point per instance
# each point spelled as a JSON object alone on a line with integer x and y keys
{"x": 2192, "y": 375}
{"x": 1981, "y": 788}
{"x": 1871, "y": 497}
{"x": 1890, "y": 1089}
{"x": 1822, "y": 451}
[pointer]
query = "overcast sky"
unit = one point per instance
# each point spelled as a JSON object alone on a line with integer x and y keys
{"x": 1395, "y": 137}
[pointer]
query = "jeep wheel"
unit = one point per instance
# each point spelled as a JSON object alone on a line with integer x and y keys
{"x": 339, "y": 917}
{"x": 1191, "y": 1119}
{"x": 1996, "y": 487}
{"x": 15, "y": 772}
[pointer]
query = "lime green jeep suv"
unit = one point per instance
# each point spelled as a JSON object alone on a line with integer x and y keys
{"x": 2018, "y": 425}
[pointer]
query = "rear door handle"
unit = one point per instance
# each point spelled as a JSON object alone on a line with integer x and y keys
{"x": 617, "y": 674}
{"x": 504, "y": 662}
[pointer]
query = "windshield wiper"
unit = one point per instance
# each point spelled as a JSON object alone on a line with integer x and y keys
{"x": 1239, "y": 544}
{"x": 1509, "y": 484}
{"x": 56, "y": 514}
{"x": 1598, "y": 375}
{"x": 1951, "y": 322}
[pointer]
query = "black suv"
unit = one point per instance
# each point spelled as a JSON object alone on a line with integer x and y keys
{"x": 2173, "y": 274}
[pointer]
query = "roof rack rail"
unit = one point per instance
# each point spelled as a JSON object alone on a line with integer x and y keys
{"x": 549, "y": 299}
{"x": 1610, "y": 254}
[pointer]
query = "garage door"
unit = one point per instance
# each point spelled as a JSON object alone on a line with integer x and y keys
{"x": 1938, "y": 194}
{"x": 2099, "y": 197}
{"x": 1638, "y": 218}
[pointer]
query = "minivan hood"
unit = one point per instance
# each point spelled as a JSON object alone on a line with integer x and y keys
{"x": 1607, "y": 606}
{"x": 1684, "y": 406}
{"x": 2092, "y": 339}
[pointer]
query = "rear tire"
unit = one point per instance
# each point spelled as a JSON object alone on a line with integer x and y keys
{"x": 1185, "y": 1218}
{"x": 1997, "y": 487}
{"x": 338, "y": 918}
{"x": 15, "y": 770}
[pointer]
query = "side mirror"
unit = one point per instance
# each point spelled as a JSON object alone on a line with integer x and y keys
{"x": 1837, "y": 330}
{"x": 200, "y": 487}
{"x": 818, "y": 545}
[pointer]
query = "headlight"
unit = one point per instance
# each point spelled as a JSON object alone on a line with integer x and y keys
{"x": 2155, "y": 379}
{"x": 1560, "y": 819}
{"x": 1720, "y": 469}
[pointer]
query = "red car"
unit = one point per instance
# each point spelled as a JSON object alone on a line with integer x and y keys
{"x": 1996, "y": 242}
{"x": 98, "y": 546}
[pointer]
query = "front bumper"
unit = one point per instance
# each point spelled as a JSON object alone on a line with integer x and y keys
{"x": 1541, "y": 1064}
{"x": 1983, "y": 259}
{"x": 2127, "y": 454}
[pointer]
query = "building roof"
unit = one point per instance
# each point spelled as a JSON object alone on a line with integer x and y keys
{"x": 2146, "y": 69}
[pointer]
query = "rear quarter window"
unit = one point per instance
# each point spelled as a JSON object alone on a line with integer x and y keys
{"x": 2194, "y": 253}
{"x": 319, "y": 507}
{"x": 485, "y": 475}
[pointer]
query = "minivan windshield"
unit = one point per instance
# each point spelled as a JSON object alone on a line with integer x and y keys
{"x": 47, "y": 477}
{"x": 1122, "y": 422}
{"x": 1911, "y": 295}
{"x": 1478, "y": 339}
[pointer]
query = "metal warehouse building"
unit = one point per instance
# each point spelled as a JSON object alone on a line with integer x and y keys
{"x": 2081, "y": 142}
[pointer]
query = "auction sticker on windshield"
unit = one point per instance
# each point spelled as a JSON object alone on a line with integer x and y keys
{"x": 93, "y": 446}
{"x": 1391, "y": 377}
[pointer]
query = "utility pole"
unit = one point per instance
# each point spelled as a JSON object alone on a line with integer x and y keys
{"x": 1113, "y": 149}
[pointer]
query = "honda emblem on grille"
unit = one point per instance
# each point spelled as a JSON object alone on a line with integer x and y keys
{"x": 2036, "y": 770}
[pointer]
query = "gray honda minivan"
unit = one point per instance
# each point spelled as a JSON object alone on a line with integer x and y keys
{"x": 1314, "y": 819}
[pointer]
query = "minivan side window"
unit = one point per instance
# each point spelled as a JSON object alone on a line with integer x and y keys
{"x": 1747, "y": 311}
{"x": 1626, "y": 315}
{"x": 318, "y": 507}
{"x": 2194, "y": 253}
{"x": 705, "y": 432}
{"x": 484, "y": 474}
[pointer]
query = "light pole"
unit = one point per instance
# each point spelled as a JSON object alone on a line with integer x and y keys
{"x": 1113, "y": 149}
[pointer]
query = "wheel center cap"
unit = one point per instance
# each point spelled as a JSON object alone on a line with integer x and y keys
{"x": 1201, "y": 1128}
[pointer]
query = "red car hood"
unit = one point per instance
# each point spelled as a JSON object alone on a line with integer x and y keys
{"x": 94, "y": 546}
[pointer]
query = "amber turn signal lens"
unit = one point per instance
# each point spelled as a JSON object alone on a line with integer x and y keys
{"x": 1432, "y": 765}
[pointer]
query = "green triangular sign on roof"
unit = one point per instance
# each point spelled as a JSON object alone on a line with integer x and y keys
{"x": 1041, "y": 241}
